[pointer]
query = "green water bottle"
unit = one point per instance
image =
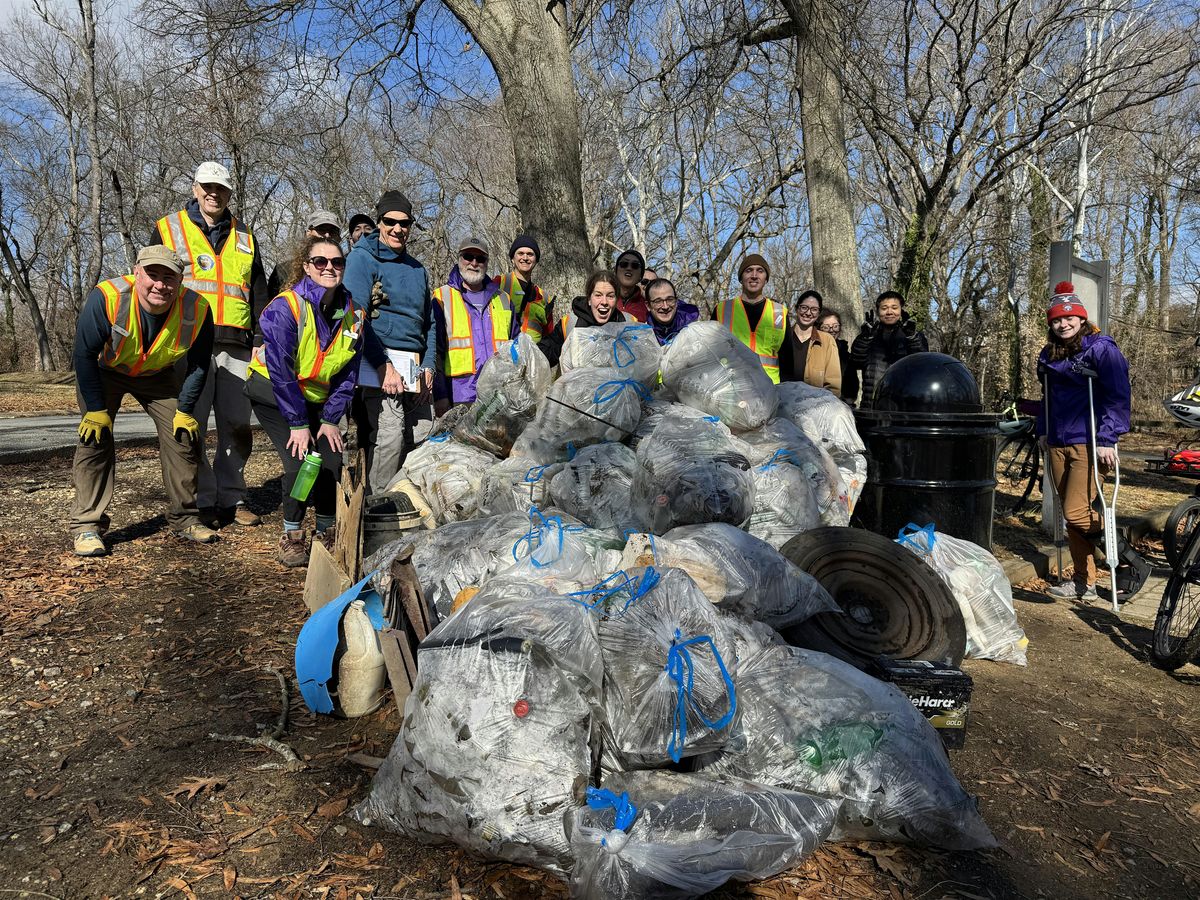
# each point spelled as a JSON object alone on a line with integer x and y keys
{"x": 307, "y": 476}
{"x": 838, "y": 742}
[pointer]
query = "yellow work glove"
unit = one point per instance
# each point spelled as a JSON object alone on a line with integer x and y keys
{"x": 95, "y": 427}
{"x": 187, "y": 429}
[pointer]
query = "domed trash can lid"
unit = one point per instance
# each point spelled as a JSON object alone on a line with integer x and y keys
{"x": 928, "y": 383}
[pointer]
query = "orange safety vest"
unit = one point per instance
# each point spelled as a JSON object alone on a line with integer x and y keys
{"x": 766, "y": 338}
{"x": 123, "y": 352}
{"x": 222, "y": 279}
{"x": 316, "y": 365}
{"x": 460, "y": 355}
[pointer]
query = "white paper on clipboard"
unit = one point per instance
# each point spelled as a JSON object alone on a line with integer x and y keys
{"x": 405, "y": 364}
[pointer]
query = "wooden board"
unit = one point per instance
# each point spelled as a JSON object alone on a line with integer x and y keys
{"x": 325, "y": 579}
{"x": 351, "y": 497}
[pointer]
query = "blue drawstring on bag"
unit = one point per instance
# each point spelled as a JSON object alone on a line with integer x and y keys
{"x": 543, "y": 531}
{"x": 612, "y": 585}
{"x": 909, "y": 536}
{"x": 535, "y": 474}
{"x": 512, "y": 351}
{"x": 777, "y": 457}
{"x": 440, "y": 438}
{"x": 681, "y": 669}
{"x": 626, "y": 334}
{"x": 609, "y": 390}
{"x": 623, "y": 808}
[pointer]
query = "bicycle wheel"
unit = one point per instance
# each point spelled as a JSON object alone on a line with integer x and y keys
{"x": 1177, "y": 625}
{"x": 1180, "y": 524}
{"x": 1017, "y": 466}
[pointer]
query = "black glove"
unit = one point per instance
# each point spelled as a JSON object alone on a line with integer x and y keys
{"x": 908, "y": 325}
{"x": 870, "y": 323}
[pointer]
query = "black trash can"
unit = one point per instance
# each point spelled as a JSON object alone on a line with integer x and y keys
{"x": 931, "y": 451}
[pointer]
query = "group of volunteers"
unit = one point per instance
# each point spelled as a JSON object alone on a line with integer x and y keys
{"x": 365, "y": 335}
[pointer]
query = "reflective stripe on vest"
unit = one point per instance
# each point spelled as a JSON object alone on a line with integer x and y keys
{"x": 224, "y": 279}
{"x": 316, "y": 365}
{"x": 123, "y": 351}
{"x": 766, "y": 338}
{"x": 460, "y": 349}
{"x": 533, "y": 313}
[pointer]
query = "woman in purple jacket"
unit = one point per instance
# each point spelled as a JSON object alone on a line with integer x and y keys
{"x": 1075, "y": 352}
{"x": 301, "y": 382}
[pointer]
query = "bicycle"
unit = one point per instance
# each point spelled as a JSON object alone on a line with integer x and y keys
{"x": 1019, "y": 459}
{"x": 1176, "y": 638}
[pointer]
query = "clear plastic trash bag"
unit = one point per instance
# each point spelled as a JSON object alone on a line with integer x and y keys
{"x": 514, "y": 485}
{"x": 785, "y": 503}
{"x": 780, "y": 440}
{"x": 653, "y": 835}
{"x": 829, "y": 422}
{"x": 740, "y": 573}
{"x": 497, "y": 743}
{"x": 585, "y": 406}
{"x": 560, "y": 554}
{"x": 448, "y": 474}
{"x": 595, "y": 486}
{"x": 669, "y": 668}
{"x": 689, "y": 472}
{"x": 709, "y": 369}
{"x": 981, "y": 588}
{"x": 628, "y": 347}
{"x": 814, "y": 724}
{"x": 507, "y": 392}
{"x": 658, "y": 409}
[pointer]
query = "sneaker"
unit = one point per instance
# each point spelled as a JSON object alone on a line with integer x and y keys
{"x": 327, "y": 537}
{"x": 88, "y": 543}
{"x": 200, "y": 533}
{"x": 293, "y": 549}
{"x": 1072, "y": 590}
{"x": 245, "y": 516}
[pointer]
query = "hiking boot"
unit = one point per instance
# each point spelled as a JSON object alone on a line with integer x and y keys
{"x": 243, "y": 515}
{"x": 293, "y": 549}
{"x": 327, "y": 537}
{"x": 88, "y": 543}
{"x": 1072, "y": 590}
{"x": 200, "y": 533}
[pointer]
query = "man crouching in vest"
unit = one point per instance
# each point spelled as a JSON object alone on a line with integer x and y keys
{"x": 131, "y": 333}
{"x": 473, "y": 317}
{"x": 221, "y": 264}
{"x": 757, "y": 321}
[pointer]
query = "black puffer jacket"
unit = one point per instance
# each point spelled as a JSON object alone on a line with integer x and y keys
{"x": 877, "y": 348}
{"x": 581, "y": 316}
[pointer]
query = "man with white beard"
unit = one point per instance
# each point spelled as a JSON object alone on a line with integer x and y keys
{"x": 473, "y": 317}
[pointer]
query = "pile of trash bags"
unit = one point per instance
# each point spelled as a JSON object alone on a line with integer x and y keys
{"x": 606, "y": 694}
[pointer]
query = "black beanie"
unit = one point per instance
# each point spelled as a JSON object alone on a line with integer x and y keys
{"x": 393, "y": 201}
{"x": 524, "y": 240}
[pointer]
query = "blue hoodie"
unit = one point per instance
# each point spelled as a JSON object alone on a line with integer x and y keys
{"x": 405, "y": 320}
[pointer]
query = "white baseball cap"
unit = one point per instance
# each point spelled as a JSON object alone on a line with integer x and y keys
{"x": 213, "y": 173}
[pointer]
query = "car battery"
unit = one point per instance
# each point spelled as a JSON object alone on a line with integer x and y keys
{"x": 941, "y": 692}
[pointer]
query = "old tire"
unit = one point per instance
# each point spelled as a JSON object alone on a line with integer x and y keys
{"x": 893, "y": 603}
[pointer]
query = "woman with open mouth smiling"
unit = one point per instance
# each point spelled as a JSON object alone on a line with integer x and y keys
{"x": 597, "y": 306}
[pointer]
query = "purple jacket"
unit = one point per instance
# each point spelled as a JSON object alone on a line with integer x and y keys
{"x": 461, "y": 388}
{"x": 279, "y": 346}
{"x": 685, "y": 315}
{"x": 1068, "y": 400}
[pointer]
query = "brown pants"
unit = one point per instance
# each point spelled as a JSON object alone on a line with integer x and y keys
{"x": 95, "y": 469}
{"x": 1071, "y": 469}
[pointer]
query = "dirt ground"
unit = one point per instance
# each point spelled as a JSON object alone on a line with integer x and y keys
{"x": 114, "y": 672}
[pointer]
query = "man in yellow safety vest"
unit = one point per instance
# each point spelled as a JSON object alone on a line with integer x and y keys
{"x": 223, "y": 265}
{"x": 756, "y": 320}
{"x": 131, "y": 333}
{"x": 473, "y": 317}
{"x": 529, "y": 303}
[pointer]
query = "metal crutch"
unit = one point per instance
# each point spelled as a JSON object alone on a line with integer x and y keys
{"x": 1108, "y": 511}
{"x": 1060, "y": 534}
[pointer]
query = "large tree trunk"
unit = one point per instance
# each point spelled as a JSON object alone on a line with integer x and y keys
{"x": 529, "y": 50}
{"x": 826, "y": 169}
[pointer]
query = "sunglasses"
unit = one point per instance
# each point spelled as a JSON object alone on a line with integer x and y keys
{"x": 629, "y": 264}
{"x": 395, "y": 223}
{"x": 474, "y": 257}
{"x": 322, "y": 262}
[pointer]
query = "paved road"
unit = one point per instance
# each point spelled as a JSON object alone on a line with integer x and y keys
{"x": 23, "y": 439}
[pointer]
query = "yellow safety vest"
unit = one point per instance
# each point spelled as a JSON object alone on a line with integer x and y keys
{"x": 766, "y": 338}
{"x": 316, "y": 365}
{"x": 460, "y": 355}
{"x": 532, "y": 313}
{"x": 222, "y": 279}
{"x": 124, "y": 353}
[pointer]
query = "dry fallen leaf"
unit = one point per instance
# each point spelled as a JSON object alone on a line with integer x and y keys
{"x": 333, "y": 808}
{"x": 193, "y": 786}
{"x": 230, "y": 877}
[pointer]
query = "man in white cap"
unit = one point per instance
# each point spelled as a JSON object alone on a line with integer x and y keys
{"x": 320, "y": 223}
{"x": 222, "y": 264}
{"x": 473, "y": 317}
{"x": 132, "y": 333}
